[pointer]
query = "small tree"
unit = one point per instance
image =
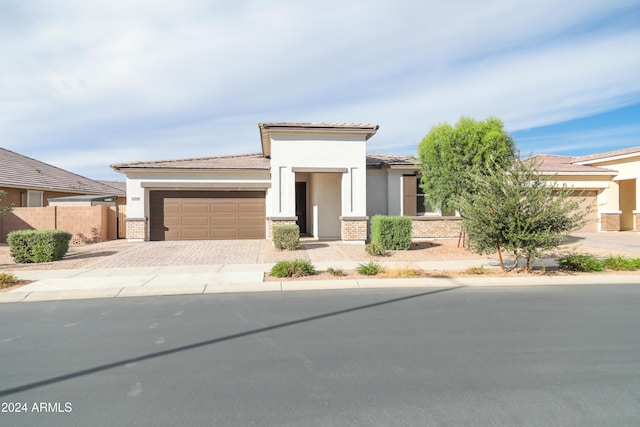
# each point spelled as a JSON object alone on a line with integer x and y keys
{"x": 6, "y": 208}
{"x": 448, "y": 154}
{"x": 518, "y": 209}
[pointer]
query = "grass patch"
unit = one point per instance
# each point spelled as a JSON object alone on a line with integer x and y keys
{"x": 583, "y": 263}
{"x": 336, "y": 272}
{"x": 8, "y": 279}
{"x": 369, "y": 269}
{"x": 619, "y": 263}
{"x": 404, "y": 272}
{"x": 477, "y": 270}
{"x": 295, "y": 268}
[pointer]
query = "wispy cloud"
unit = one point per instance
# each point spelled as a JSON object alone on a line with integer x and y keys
{"x": 146, "y": 79}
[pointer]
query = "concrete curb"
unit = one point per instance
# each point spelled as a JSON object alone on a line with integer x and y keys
{"x": 185, "y": 284}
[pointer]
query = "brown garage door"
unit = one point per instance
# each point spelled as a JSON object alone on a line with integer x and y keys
{"x": 207, "y": 215}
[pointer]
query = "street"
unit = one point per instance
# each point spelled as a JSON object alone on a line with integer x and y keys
{"x": 457, "y": 356}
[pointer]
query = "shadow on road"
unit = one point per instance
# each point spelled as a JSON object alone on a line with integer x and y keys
{"x": 155, "y": 355}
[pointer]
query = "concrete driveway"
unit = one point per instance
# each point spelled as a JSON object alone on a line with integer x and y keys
{"x": 622, "y": 241}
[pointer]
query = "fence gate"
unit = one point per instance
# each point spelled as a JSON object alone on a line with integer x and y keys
{"x": 122, "y": 221}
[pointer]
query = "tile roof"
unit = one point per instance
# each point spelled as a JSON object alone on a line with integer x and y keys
{"x": 24, "y": 172}
{"x": 120, "y": 186}
{"x": 554, "y": 163}
{"x": 598, "y": 156}
{"x": 242, "y": 161}
{"x": 389, "y": 160}
{"x": 319, "y": 125}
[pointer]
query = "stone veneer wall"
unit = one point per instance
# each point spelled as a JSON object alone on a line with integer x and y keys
{"x": 636, "y": 222}
{"x": 137, "y": 229}
{"x": 354, "y": 229}
{"x": 610, "y": 222}
{"x": 425, "y": 227}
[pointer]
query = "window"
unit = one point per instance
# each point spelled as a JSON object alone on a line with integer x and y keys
{"x": 34, "y": 199}
{"x": 413, "y": 197}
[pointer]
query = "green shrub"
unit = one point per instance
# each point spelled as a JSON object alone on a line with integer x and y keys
{"x": 286, "y": 237}
{"x": 584, "y": 263}
{"x": 32, "y": 246}
{"x": 392, "y": 232}
{"x": 7, "y": 279}
{"x": 622, "y": 263}
{"x": 370, "y": 269}
{"x": 336, "y": 271}
{"x": 295, "y": 268}
{"x": 376, "y": 249}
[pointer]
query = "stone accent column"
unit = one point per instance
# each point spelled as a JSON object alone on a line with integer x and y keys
{"x": 610, "y": 221}
{"x": 273, "y": 221}
{"x": 137, "y": 229}
{"x": 354, "y": 229}
{"x": 636, "y": 220}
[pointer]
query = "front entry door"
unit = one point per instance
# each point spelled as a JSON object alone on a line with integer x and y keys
{"x": 301, "y": 206}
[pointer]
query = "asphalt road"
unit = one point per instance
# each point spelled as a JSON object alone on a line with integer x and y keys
{"x": 525, "y": 356}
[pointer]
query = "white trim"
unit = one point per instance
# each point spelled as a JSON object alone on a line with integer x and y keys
{"x": 611, "y": 212}
{"x": 608, "y": 159}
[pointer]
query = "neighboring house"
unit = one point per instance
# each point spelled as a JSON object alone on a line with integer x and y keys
{"x": 31, "y": 183}
{"x": 607, "y": 181}
{"x": 316, "y": 175}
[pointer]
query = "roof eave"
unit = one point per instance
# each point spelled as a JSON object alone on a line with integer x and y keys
{"x": 607, "y": 159}
{"x": 267, "y": 128}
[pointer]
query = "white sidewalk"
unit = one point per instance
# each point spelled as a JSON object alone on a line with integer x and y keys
{"x": 206, "y": 279}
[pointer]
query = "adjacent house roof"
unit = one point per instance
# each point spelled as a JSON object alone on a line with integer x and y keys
{"x": 235, "y": 162}
{"x": 20, "y": 171}
{"x": 120, "y": 186}
{"x": 391, "y": 161}
{"x": 566, "y": 164}
{"x": 609, "y": 155}
{"x": 266, "y": 128}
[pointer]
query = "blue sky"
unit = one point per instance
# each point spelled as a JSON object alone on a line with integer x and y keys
{"x": 88, "y": 83}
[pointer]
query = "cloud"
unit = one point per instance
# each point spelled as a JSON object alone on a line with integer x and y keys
{"x": 193, "y": 78}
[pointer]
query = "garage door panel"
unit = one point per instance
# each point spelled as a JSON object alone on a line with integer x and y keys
{"x": 189, "y": 215}
{"x": 227, "y": 208}
{"x": 221, "y": 222}
{"x": 201, "y": 221}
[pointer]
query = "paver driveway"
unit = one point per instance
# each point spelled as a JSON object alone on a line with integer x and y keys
{"x": 198, "y": 252}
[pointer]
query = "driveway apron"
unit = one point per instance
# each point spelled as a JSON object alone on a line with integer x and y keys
{"x": 192, "y": 252}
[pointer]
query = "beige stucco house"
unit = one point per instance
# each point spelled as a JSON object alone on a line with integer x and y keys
{"x": 607, "y": 181}
{"x": 319, "y": 176}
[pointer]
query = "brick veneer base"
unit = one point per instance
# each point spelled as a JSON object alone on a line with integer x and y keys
{"x": 610, "y": 222}
{"x": 137, "y": 229}
{"x": 435, "y": 227}
{"x": 354, "y": 229}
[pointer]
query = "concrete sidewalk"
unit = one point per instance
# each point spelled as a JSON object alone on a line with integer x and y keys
{"x": 227, "y": 278}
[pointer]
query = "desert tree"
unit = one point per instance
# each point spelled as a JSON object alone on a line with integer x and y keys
{"x": 520, "y": 210}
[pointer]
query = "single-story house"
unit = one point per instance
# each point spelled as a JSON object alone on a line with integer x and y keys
{"x": 607, "y": 181}
{"x": 31, "y": 183}
{"x": 316, "y": 175}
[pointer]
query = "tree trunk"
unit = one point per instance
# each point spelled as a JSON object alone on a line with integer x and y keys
{"x": 500, "y": 256}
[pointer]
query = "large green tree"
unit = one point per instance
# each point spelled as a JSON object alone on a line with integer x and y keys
{"x": 518, "y": 209}
{"x": 450, "y": 154}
